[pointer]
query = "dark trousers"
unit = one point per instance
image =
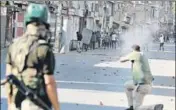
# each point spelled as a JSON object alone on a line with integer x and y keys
{"x": 85, "y": 47}
{"x": 106, "y": 45}
{"x": 93, "y": 45}
{"x": 161, "y": 46}
{"x": 99, "y": 45}
{"x": 114, "y": 44}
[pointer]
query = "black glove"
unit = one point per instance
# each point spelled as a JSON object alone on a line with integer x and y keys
{"x": 132, "y": 61}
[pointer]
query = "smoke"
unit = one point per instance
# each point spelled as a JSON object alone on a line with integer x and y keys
{"x": 139, "y": 34}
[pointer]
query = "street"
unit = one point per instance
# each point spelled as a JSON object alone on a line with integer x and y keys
{"x": 93, "y": 80}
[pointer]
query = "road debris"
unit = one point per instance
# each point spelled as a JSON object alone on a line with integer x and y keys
{"x": 101, "y": 103}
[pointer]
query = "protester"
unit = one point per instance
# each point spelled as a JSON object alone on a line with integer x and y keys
{"x": 114, "y": 40}
{"x": 98, "y": 38}
{"x": 141, "y": 84}
{"x": 161, "y": 39}
{"x": 93, "y": 41}
{"x": 79, "y": 43}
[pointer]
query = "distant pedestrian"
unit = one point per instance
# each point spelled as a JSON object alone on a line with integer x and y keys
{"x": 145, "y": 46}
{"x": 79, "y": 44}
{"x": 161, "y": 39}
{"x": 114, "y": 40}
{"x": 118, "y": 41}
{"x": 106, "y": 41}
{"x": 98, "y": 38}
{"x": 93, "y": 40}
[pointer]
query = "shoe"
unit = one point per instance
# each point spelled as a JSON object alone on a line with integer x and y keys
{"x": 131, "y": 108}
{"x": 159, "y": 107}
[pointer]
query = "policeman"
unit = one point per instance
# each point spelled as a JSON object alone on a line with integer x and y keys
{"x": 32, "y": 61}
{"x": 141, "y": 84}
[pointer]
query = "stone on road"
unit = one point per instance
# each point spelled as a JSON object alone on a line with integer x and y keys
{"x": 94, "y": 80}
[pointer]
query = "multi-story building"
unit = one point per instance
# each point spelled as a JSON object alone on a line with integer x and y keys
{"x": 104, "y": 16}
{"x": 83, "y": 14}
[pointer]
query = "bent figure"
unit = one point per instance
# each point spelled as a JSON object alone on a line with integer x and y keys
{"x": 141, "y": 85}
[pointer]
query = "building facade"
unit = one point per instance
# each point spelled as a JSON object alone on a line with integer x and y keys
{"x": 68, "y": 17}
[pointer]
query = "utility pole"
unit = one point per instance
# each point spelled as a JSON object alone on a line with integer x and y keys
{"x": 104, "y": 17}
{"x": 58, "y": 30}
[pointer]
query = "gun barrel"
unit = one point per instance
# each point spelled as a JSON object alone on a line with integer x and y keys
{"x": 25, "y": 90}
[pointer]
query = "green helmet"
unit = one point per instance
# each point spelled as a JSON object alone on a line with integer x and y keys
{"x": 36, "y": 12}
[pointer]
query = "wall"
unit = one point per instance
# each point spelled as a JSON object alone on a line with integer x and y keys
{"x": 90, "y": 23}
{"x": 52, "y": 21}
{"x": 3, "y": 29}
{"x": 70, "y": 27}
{"x": 19, "y": 24}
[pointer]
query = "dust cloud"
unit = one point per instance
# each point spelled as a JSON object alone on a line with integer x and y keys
{"x": 139, "y": 34}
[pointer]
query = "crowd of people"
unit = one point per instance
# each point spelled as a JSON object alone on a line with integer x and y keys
{"x": 99, "y": 40}
{"x": 113, "y": 40}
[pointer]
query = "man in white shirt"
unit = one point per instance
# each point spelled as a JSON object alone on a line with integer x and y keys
{"x": 114, "y": 40}
{"x": 161, "y": 39}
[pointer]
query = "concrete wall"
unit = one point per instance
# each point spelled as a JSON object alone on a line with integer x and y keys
{"x": 3, "y": 29}
{"x": 3, "y": 25}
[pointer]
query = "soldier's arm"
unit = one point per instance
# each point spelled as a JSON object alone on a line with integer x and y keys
{"x": 52, "y": 91}
{"x": 50, "y": 82}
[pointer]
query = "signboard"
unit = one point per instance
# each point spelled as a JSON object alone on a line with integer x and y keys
{"x": 64, "y": 12}
{"x": 3, "y": 3}
{"x": 20, "y": 24}
{"x": 21, "y": 2}
{"x": 79, "y": 13}
{"x": 3, "y": 11}
{"x": 87, "y": 34}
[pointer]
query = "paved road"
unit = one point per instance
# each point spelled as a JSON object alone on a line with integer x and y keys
{"x": 94, "y": 80}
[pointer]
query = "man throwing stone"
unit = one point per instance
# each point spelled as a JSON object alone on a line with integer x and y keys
{"x": 141, "y": 84}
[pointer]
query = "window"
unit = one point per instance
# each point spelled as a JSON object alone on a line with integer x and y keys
{"x": 128, "y": 20}
{"x": 96, "y": 7}
{"x": 112, "y": 10}
{"x": 65, "y": 5}
{"x": 118, "y": 6}
{"x": 153, "y": 12}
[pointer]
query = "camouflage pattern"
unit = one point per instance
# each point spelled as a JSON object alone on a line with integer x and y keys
{"x": 26, "y": 105}
{"x": 29, "y": 105}
{"x": 30, "y": 58}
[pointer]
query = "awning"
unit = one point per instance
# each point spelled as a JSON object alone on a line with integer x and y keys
{"x": 116, "y": 25}
{"x": 122, "y": 24}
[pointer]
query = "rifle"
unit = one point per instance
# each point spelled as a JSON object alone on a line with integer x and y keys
{"x": 24, "y": 90}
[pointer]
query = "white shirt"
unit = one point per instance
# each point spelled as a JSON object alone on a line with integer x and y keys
{"x": 114, "y": 37}
{"x": 161, "y": 39}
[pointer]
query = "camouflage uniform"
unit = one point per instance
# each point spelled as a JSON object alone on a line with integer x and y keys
{"x": 30, "y": 57}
